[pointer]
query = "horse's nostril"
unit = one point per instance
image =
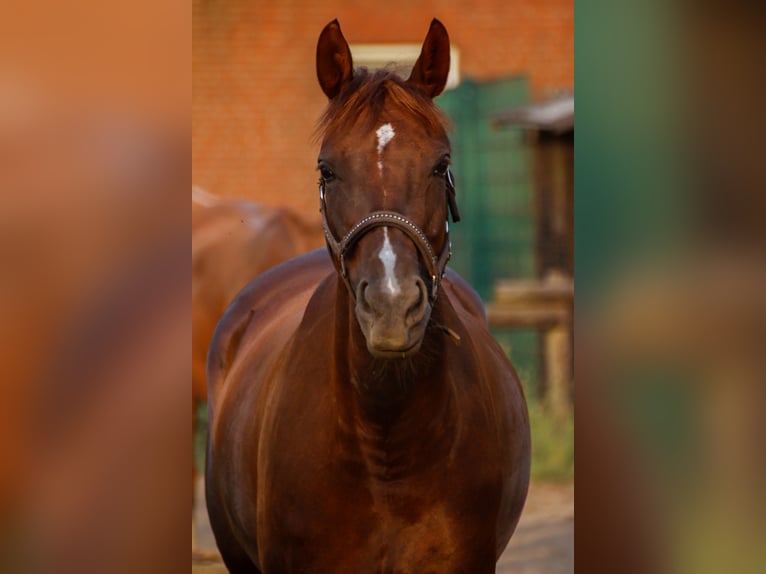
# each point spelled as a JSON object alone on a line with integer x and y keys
{"x": 361, "y": 293}
{"x": 420, "y": 300}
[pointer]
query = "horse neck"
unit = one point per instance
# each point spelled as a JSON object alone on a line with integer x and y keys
{"x": 386, "y": 404}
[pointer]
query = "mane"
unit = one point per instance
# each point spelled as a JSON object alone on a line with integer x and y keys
{"x": 363, "y": 99}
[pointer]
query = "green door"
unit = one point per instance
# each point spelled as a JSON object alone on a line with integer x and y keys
{"x": 496, "y": 238}
{"x": 493, "y": 174}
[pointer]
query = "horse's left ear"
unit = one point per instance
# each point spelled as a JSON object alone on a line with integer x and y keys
{"x": 432, "y": 66}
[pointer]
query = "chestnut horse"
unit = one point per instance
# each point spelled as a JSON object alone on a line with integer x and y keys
{"x": 362, "y": 417}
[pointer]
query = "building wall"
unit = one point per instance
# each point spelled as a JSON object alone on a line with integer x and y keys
{"x": 255, "y": 95}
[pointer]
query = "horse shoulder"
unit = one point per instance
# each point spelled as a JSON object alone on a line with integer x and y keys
{"x": 502, "y": 401}
{"x": 262, "y": 316}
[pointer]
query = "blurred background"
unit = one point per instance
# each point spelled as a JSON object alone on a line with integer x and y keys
{"x": 669, "y": 250}
{"x": 94, "y": 286}
{"x": 510, "y": 102}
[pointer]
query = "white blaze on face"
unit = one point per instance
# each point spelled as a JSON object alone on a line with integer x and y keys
{"x": 388, "y": 258}
{"x": 385, "y": 134}
{"x": 386, "y": 254}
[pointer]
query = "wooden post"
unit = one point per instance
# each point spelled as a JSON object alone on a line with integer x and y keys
{"x": 545, "y": 305}
{"x": 557, "y": 359}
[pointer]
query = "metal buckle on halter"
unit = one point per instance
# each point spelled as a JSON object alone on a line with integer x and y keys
{"x": 451, "y": 196}
{"x": 450, "y": 178}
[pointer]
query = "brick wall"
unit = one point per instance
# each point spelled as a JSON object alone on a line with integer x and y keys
{"x": 255, "y": 94}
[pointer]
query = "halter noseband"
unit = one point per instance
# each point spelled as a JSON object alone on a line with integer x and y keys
{"x": 435, "y": 265}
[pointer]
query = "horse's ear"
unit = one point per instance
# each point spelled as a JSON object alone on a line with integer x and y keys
{"x": 432, "y": 66}
{"x": 334, "y": 66}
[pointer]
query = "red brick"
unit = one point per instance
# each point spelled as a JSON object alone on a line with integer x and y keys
{"x": 255, "y": 94}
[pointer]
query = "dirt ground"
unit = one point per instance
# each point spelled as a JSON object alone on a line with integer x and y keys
{"x": 542, "y": 544}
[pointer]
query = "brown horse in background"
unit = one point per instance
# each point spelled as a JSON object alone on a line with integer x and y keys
{"x": 233, "y": 240}
{"x": 362, "y": 418}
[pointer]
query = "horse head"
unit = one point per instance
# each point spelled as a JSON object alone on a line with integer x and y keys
{"x": 385, "y": 188}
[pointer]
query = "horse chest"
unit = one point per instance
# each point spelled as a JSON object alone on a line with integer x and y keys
{"x": 352, "y": 522}
{"x": 376, "y": 539}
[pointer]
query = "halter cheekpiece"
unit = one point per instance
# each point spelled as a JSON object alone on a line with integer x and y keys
{"x": 435, "y": 264}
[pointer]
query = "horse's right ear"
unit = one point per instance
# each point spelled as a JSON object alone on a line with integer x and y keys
{"x": 334, "y": 65}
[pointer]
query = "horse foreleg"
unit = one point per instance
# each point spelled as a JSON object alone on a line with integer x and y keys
{"x": 234, "y": 556}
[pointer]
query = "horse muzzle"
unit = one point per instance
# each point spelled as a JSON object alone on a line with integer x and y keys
{"x": 393, "y": 321}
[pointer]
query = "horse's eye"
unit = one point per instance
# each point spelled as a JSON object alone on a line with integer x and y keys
{"x": 327, "y": 173}
{"x": 441, "y": 168}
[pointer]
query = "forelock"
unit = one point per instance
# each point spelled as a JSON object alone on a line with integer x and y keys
{"x": 363, "y": 100}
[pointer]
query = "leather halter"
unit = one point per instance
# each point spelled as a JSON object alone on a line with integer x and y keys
{"x": 435, "y": 265}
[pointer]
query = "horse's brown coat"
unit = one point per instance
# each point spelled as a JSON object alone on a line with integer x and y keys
{"x": 325, "y": 455}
